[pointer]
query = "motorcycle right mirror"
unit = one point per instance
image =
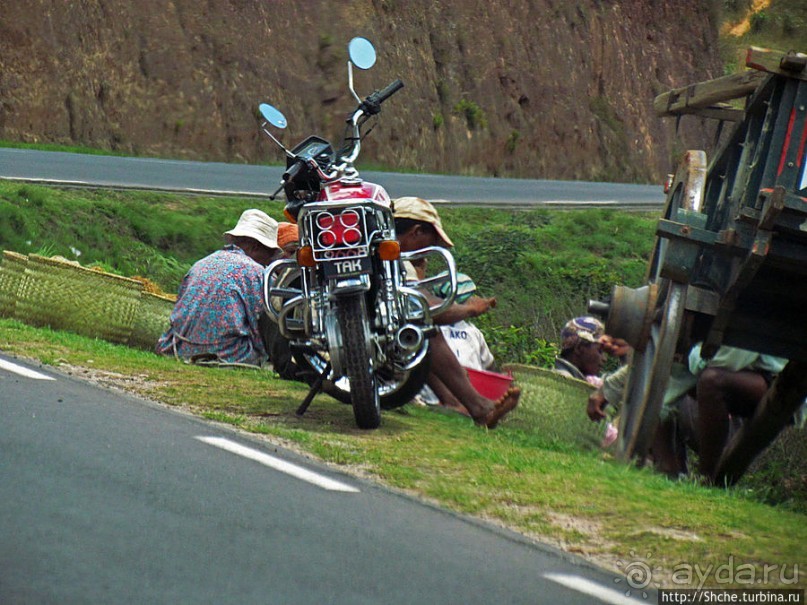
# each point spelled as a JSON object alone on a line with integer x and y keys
{"x": 272, "y": 115}
{"x": 362, "y": 53}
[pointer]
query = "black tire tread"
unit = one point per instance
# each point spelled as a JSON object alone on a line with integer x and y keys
{"x": 352, "y": 319}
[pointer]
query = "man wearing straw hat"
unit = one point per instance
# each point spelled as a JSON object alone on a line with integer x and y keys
{"x": 219, "y": 314}
{"x": 418, "y": 225}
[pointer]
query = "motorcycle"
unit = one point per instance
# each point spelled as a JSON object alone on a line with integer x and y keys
{"x": 344, "y": 303}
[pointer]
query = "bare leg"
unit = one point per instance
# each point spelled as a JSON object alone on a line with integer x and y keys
{"x": 454, "y": 378}
{"x": 667, "y": 450}
{"x": 719, "y": 392}
{"x": 445, "y": 396}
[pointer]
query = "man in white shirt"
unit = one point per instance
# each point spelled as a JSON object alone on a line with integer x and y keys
{"x": 466, "y": 340}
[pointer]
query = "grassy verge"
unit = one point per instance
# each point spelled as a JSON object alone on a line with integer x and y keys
{"x": 56, "y": 147}
{"x": 542, "y": 265}
{"x": 538, "y": 473}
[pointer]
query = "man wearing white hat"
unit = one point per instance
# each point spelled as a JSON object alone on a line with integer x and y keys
{"x": 219, "y": 310}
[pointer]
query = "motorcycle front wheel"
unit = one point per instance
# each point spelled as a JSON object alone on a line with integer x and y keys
{"x": 396, "y": 387}
{"x": 351, "y": 314}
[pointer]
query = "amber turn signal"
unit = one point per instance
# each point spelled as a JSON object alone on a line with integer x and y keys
{"x": 389, "y": 249}
{"x": 305, "y": 256}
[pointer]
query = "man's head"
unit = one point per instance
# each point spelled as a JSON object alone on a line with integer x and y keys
{"x": 288, "y": 238}
{"x": 580, "y": 344}
{"x": 418, "y": 225}
{"x": 256, "y": 234}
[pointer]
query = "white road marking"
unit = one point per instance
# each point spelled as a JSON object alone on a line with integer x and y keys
{"x": 279, "y": 465}
{"x": 592, "y": 589}
{"x": 23, "y": 371}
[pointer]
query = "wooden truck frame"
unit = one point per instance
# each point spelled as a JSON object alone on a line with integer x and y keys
{"x": 729, "y": 265}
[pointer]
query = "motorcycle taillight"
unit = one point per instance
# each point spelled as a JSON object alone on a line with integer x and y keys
{"x": 339, "y": 229}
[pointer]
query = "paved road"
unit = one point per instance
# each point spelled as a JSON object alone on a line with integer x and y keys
{"x": 109, "y": 499}
{"x": 246, "y": 180}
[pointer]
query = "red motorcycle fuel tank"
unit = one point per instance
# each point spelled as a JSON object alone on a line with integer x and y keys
{"x": 341, "y": 190}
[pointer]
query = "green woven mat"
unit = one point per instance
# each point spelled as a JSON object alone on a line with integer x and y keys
{"x": 12, "y": 271}
{"x": 67, "y": 296}
{"x": 151, "y": 320}
{"x": 554, "y": 406}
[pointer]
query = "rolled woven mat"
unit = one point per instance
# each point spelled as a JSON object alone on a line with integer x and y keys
{"x": 12, "y": 272}
{"x": 67, "y": 296}
{"x": 151, "y": 320}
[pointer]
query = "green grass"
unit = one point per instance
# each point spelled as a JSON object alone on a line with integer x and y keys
{"x": 780, "y": 26}
{"x": 55, "y": 147}
{"x": 540, "y": 473}
{"x": 543, "y": 266}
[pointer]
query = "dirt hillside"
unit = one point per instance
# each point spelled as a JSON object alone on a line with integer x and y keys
{"x": 533, "y": 88}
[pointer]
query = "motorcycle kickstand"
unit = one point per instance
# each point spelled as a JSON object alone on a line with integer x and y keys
{"x": 316, "y": 387}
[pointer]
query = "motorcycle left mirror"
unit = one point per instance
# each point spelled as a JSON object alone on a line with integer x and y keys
{"x": 272, "y": 115}
{"x": 362, "y": 53}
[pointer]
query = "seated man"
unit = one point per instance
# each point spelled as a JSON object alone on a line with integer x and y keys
{"x": 464, "y": 338}
{"x": 703, "y": 398}
{"x": 219, "y": 311}
{"x": 288, "y": 239}
{"x": 729, "y": 385}
{"x": 418, "y": 225}
{"x": 583, "y": 344}
{"x": 581, "y": 352}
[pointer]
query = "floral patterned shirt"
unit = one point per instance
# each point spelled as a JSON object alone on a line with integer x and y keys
{"x": 217, "y": 310}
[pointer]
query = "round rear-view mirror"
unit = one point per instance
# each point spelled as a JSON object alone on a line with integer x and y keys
{"x": 272, "y": 115}
{"x": 362, "y": 53}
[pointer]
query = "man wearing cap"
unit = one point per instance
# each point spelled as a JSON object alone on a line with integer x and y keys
{"x": 583, "y": 345}
{"x": 464, "y": 338}
{"x": 581, "y": 354}
{"x": 278, "y": 346}
{"x": 219, "y": 310}
{"x": 288, "y": 238}
{"x": 418, "y": 225}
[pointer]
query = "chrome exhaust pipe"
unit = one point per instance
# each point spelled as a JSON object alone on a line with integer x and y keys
{"x": 409, "y": 337}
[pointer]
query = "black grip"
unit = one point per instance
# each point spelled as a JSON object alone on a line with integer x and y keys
{"x": 390, "y": 90}
{"x": 292, "y": 171}
{"x": 372, "y": 104}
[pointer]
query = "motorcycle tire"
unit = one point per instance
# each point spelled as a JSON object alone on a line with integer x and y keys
{"x": 394, "y": 393}
{"x": 351, "y": 315}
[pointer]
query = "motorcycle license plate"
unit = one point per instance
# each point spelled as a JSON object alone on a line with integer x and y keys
{"x": 345, "y": 267}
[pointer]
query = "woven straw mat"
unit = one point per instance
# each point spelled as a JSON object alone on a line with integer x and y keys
{"x": 67, "y": 296}
{"x": 12, "y": 271}
{"x": 151, "y": 320}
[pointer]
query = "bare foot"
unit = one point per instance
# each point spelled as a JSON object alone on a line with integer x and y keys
{"x": 504, "y": 406}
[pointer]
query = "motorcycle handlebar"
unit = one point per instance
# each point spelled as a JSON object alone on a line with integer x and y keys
{"x": 390, "y": 90}
{"x": 372, "y": 104}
